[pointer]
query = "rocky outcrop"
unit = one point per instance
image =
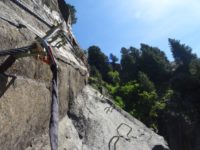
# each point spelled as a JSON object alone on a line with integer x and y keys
{"x": 25, "y": 92}
{"x": 102, "y": 125}
{"x": 94, "y": 123}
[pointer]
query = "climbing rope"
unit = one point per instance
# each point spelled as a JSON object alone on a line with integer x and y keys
{"x": 54, "y": 120}
{"x": 29, "y": 51}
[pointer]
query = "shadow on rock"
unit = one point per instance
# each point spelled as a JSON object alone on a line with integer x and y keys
{"x": 5, "y": 83}
{"x": 159, "y": 147}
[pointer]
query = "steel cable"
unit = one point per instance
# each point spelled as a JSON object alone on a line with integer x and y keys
{"x": 17, "y": 51}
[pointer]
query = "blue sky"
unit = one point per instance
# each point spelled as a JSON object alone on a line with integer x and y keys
{"x": 112, "y": 24}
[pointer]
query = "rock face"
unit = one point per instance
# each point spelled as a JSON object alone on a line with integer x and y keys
{"x": 86, "y": 121}
{"x": 102, "y": 125}
{"x": 25, "y": 92}
{"x": 94, "y": 123}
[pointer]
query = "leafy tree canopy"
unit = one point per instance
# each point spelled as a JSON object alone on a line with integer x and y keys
{"x": 67, "y": 9}
{"x": 146, "y": 84}
{"x": 154, "y": 63}
{"x": 73, "y": 13}
{"x": 98, "y": 59}
{"x": 181, "y": 53}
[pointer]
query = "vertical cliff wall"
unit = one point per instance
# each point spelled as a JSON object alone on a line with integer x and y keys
{"x": 25, "y": 89}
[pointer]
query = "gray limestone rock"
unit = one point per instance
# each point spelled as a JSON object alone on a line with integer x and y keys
{"x": 25, "y": 92}
{"x": 96, "y": 124}
{"x": 103, "y": 126}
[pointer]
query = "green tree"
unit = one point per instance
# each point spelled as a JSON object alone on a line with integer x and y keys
{"x": 119, "y": 101}
{"x": 186, "y": 73}
{"x": 73, "y": 13}
{"x": 115, "y": 65}
{"x": 67, "y": 10}
{"x": 145, "y": 83}
{"x": 113, "y": 58}
{"x": 144, "y": 105}
{"x": 95, "y": 78}
{"x": 129, "y": 64}
{"x": 129, "y": 93}
{"x": 182, "y": 54}
{"x": 154, "y": 63}
{"x": 194, "y": 68}
{"x": 98, "y": 59}
{"x": 114, "y": 77}
{"x": 95, "y": 73}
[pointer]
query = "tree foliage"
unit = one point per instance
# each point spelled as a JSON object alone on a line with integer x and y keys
{"x": 129, "y": 64}
{"x": 97, "y": 59}
{"x": 182, "y": 54}
{"x": 194, "y": 68}
{"x": 66, "y": 10}
{"x": 113, "y": 77}
{"x": 154, "y": 63}
{"x": 73, "y": 13}
{"x": 114, "y": 63}
{"x": 146, "y": 84}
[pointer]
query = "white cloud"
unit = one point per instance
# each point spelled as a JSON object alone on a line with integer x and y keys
{"x": 159, "y": 18}
{"x": 148, "y": 9}
{"x": 154, "y": 21}
{"x": 138, "y": 21}
{"x": 154, "y": 10}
